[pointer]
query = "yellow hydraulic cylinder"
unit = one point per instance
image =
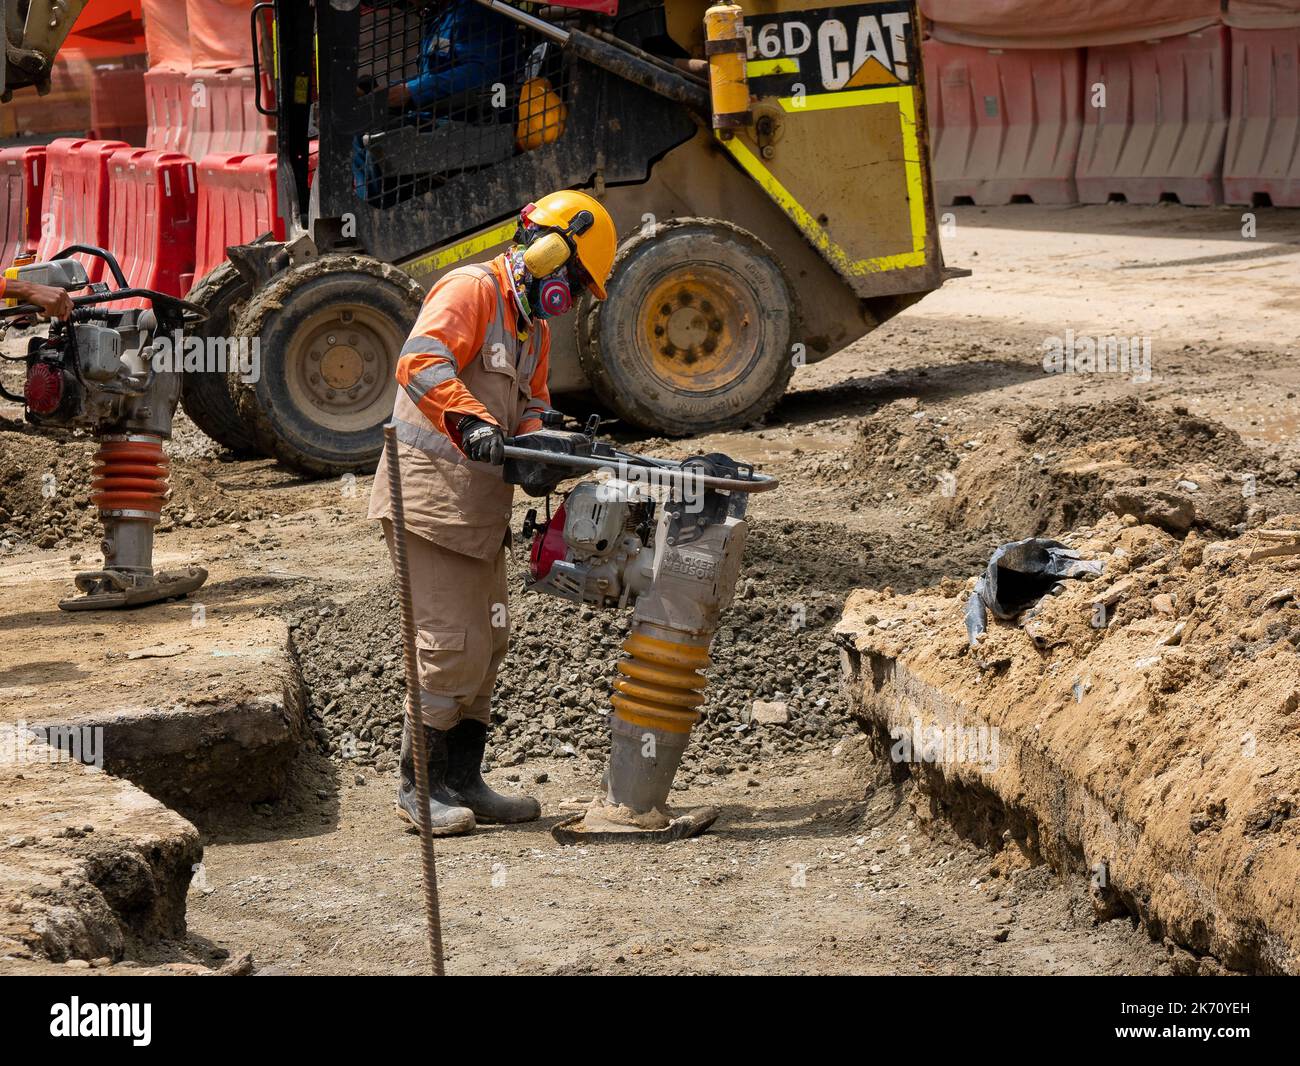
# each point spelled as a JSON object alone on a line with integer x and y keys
{"x": 724, "y": 44}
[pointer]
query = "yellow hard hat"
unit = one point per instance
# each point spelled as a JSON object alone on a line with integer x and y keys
{"x": 595, "y": 245}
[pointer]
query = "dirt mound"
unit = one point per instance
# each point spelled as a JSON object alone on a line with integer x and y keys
{"x": 1163, "y": 438}
{"x": 1142, "y": 730}
{"x": 1029, "y": 471}
{"x": 45, "y": 491}
{"x": 552, "y": 697}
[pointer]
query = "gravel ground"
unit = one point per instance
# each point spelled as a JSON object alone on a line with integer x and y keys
{"x": 552, "y": 697}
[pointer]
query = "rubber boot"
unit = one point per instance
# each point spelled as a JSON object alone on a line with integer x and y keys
{"x": 449, "y": 816}
{"x": 466, "y": 742}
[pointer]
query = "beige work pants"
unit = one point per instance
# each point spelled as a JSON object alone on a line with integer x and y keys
{"x": 462, "y": 626}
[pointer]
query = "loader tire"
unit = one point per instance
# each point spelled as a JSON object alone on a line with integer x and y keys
{"x": 331, "y": 331}
{"x": 206, "y": 395}
{"x": 696, "y": 334}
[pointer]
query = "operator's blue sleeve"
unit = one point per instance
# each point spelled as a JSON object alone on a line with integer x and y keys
{"x": 467, "y": 48}
{"x": 367, "y": 181}
{"x": 434, "y": 85}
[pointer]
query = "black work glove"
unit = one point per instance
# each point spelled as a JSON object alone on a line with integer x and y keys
{"x": 539, "y": 479}
{"x": 482, "y": 441}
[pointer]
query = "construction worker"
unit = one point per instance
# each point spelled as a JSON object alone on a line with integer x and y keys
{"x": 473, "y": 372}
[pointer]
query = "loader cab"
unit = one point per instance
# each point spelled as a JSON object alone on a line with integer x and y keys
{"x": 447, "y": 91}
{"x": 438, "y": 119}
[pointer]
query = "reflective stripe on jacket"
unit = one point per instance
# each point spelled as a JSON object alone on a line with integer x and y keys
{"x": 463, "y": 357}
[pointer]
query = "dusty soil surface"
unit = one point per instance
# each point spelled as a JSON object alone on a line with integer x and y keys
{"x": 906, "y": 459}
{"x": 807, "y": 871}
{"x": 200, "y": 714}
{"x": 91, "y": 868}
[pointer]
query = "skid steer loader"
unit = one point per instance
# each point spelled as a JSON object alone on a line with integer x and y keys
{"x": 758, "y": 232}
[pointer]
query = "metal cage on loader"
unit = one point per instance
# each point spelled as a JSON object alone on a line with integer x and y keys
{"x": 751, "y": 241}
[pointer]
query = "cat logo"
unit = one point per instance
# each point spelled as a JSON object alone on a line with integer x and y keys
{"x": 836, "y": 49}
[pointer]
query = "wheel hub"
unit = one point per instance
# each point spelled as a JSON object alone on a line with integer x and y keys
{"x": 698, "y": 328}
{"x": 688, "y": 328}
{"x": 342, "y": 361}
{"x": 341, "y": 366}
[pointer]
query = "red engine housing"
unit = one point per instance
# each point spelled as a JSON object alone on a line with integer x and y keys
{"x": 548, "y": 546}
{"x": 43, "y": 389}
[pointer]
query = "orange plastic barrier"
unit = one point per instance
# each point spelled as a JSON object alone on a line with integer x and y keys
{"x": 22, "y": 174}
{"x": 222, "y": 116}
{"x": 219, "y": 33}
{"x": 1162, "y": 130}
{"x": 1262, "y": 14}
{"x": 152, "y": 218}
{"x": 1004, "y": 125}
{"x": 1064, "y": 23}
{"x": 117, "y": 105}
{"x": 166, "y": 95}
{"x": 1262, "y": 162}
{"x": 238, "y": 201}
{"x": 166, "y": 34}
{"x": 74, "y": 207}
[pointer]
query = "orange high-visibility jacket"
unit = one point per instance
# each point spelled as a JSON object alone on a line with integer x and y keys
{"x": 465, "y": 355}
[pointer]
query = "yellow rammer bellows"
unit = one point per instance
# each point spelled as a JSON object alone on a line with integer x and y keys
{"x": 660, "y": 686}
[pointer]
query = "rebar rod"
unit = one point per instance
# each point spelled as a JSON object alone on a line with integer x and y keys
{"x": 414, "y": 721}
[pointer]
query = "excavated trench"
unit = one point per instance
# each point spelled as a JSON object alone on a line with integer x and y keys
{"x": 1156, "y": 755}
{"x": 1121, "y": 746}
